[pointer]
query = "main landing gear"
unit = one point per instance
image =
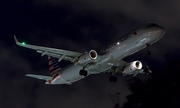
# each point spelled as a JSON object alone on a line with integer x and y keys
{"x": 113, "y": 79}
{"x": 83, "y": 72}
{"x": 147, "y": 50}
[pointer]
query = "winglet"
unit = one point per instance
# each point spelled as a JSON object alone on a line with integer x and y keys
{"x": 18, "y": 43}
{"x": 16, "y": 39}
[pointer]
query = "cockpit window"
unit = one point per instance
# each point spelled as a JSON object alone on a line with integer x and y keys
{"x": 152, "y": 25}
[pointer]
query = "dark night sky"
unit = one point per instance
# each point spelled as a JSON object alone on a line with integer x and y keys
{"x": 78, "y": 25}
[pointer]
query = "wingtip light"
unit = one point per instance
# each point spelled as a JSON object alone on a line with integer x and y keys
{"x": 17, "y": 42}
{"x": 23, "y": 43}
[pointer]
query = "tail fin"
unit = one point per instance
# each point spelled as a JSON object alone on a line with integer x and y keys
{"x": 53, "y": 65}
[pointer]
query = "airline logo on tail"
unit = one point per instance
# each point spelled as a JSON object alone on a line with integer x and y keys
{"x": 53, "y": 65}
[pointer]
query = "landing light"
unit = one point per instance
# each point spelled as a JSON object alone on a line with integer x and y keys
{"x": 117, "y": 43}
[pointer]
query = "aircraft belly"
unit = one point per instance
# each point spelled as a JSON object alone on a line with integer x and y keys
{"x": 71, "y": 74}
{"x": 101, "y": 66}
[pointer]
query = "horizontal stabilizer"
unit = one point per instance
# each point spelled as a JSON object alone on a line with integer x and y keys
{"x": 39, "y": 77}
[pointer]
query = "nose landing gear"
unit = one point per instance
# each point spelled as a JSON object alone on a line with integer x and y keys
{"x": 147, "y": 50}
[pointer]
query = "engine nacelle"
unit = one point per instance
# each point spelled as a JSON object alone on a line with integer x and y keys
{"x": 88, "y": 57}
{"x": 132, "y": 68}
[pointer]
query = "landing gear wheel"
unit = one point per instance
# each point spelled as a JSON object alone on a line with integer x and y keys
{"x": 113, "y": 79}
{"x": 83, "y": 72}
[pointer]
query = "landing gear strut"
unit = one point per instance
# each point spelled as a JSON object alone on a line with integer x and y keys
{"x": 83, "y": 72}
{"x": 147, "y": 50}
{"x": 113, "y": 79}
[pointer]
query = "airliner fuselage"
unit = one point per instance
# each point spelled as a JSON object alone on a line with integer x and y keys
{"x": 84, "y": 64}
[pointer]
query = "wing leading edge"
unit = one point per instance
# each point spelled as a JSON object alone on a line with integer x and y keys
{"x": 58, "y": 53}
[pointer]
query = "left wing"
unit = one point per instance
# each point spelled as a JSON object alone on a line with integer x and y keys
{"x": 58, "y": 53}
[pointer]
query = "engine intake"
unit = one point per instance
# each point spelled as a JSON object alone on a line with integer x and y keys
{"x": 88, "y": 57}
{"x": 138, "y": 65}
{"x": 93, "y": 54}
{"x": 132, "y": 68}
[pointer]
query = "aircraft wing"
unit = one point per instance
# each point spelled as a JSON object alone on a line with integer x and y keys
{"x": 118, "y": 67}
{"x": 58, "y": 53}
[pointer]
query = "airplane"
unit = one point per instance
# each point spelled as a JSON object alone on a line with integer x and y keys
{"x": 87, "y": 63}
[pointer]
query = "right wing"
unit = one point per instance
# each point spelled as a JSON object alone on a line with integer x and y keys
{"x": 118, "y": 67}
{"x": 58, "y": 53}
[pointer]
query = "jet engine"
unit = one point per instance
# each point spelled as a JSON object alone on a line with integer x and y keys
{"x": 87, "y": 57}
{"x": 132, "y": 68}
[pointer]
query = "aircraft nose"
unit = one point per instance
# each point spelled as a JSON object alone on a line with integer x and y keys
{"x": 160, "y": 31}
{"x": 155, "y": 30}
{"x": 156, "y": 33}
